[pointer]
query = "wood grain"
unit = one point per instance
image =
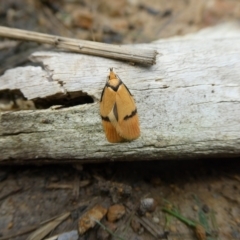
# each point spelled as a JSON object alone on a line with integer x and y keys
{"x": 188, "y": 105}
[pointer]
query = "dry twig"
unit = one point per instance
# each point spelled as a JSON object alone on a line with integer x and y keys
{"x": 131, "y": 54}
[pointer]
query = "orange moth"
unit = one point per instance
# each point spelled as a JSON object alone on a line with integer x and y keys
{"x": 118, "y": 111}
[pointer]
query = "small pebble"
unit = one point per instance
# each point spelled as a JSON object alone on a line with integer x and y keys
{"x": 156, "y": 219}
{"x": 10, "y": 225}
{"x": 195, "y": 208}
{"x": 172, "y": 229}
{"x": 73, "y": 235}
{"x": 200, "y": 232}
{"x": 205, "y": 208}
{"x": 147, "y": 205}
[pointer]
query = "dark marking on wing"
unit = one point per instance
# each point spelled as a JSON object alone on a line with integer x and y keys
{"x": 115, "y": 112}
{"x": 102, "y": 94}
{"x": 114, "y": 88}
{"x": 123, "y": 84}
{"x": 131, "y": 115}
{"x": 106, "y": 119}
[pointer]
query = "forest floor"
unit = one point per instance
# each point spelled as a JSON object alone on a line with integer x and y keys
{"x": 177, "y": 199}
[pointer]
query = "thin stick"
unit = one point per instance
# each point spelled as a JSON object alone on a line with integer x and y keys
{"x": 20, "y": 233}
{"x": 150, "y": 227}
{"x": 143, "y": 56}
{"x": 28, "y": 229}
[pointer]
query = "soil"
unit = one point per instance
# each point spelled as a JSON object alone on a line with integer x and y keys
{"x": 31, "y": 195}
{"x": 197, "y": 199}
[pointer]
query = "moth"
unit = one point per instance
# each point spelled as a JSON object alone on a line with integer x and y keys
{"x": 118, "y": 111}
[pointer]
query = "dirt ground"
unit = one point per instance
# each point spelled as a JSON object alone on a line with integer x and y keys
{"x": 197, "y": 199}
{"x": 204, "y": 191}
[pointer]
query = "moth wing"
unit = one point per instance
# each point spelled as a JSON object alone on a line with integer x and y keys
{"x": 129, "y": 129}
{"x": 128, "y": 122}
{"x": 107, "y": 102}
{"x": 111, "y": 133}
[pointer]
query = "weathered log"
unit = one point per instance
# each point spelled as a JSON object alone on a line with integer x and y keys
{"x": 188, "y": 104}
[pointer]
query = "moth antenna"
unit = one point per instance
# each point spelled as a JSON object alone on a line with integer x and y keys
{"x": 112, "y": 75}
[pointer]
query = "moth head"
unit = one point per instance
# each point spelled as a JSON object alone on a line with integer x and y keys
{"x": 112, "y": 75}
